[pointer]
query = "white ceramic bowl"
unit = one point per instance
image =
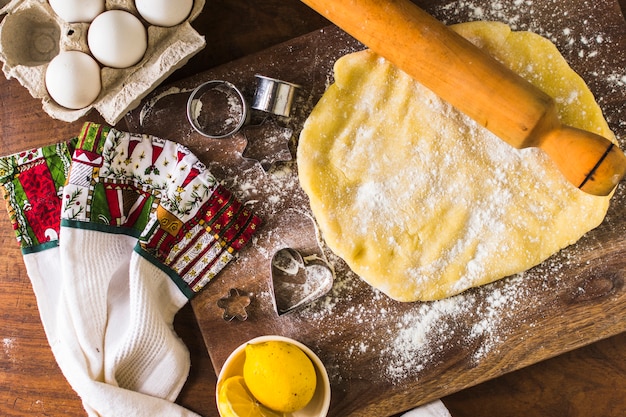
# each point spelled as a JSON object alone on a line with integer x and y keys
{"x": 318, "y": 407}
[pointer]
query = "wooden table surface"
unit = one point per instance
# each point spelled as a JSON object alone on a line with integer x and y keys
{"x": 588, "y": 381}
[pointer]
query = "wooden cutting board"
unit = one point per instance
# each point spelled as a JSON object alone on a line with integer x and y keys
{"x": 383, "y": 356}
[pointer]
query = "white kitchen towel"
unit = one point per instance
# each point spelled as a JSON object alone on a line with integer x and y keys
{"x": 32, "y": 184}
{"x": 185, "y": 228}
{"x": 432, "y": 409}
{"x": 140, "y": 227}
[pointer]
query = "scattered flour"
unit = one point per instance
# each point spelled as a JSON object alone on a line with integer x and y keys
{"x": 578, "y": 35}
{"x": 480, "y": 322}
{"x": 8, "y": 345}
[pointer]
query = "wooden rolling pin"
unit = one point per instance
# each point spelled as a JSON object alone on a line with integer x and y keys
{"x": 478, "y": 85}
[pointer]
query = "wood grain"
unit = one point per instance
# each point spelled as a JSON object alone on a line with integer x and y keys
{"x": 32, "y": 385}
{"x": 575, "y": 298}
{"x": 585, "y": 382}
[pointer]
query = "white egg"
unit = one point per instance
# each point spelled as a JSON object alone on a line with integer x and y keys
{"x": 164, "y": 12}
{"x": 74, "y": 11}
{"x": 73, "y": 79}
{"x": 117, "y": 39}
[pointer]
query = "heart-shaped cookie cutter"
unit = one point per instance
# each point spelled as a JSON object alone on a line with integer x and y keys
{"x": 298, "y": 281}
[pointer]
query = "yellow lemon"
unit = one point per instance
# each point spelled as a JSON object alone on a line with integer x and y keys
{"x": 235, "y": 400}
{"x": 279, "y": 375}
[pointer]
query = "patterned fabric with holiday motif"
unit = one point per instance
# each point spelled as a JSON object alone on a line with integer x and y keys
{"x": 157, "y": 190}
{"x": 32, "y": 183}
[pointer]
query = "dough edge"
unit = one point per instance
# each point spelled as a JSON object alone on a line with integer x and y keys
{"x": 315, "y": 154}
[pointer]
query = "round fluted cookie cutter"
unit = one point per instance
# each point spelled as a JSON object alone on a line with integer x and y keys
{"x": 217, "y": 109}
{"x": 274, "y": 96}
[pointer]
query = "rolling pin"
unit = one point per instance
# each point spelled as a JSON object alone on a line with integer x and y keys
{"x": 478, "y": 85}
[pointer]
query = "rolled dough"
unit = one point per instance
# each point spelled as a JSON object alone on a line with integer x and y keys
{"x": 420, "y": 201}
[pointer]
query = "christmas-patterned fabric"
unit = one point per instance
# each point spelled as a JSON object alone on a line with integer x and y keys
{"x": 187, "y": 223}
{"x": 32, "y": 183}
{"x": 140, "y": 185}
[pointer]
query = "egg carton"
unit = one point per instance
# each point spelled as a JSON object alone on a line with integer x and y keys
{"x": 31, "y": 34}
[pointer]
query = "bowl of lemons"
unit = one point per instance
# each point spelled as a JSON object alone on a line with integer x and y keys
{"x": 273, "y": 376}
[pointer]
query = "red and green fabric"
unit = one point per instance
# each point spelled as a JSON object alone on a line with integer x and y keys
{"x": 132, "y": 226}
{"x": 157, "y": 190}
{"x": 32, "y": 183}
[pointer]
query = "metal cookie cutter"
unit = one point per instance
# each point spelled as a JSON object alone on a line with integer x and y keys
{"x": 274, "y": 96}
{"x": 298, "y": 280}
{"x": 217, "y": 109}
{"x": 235, "y": 304}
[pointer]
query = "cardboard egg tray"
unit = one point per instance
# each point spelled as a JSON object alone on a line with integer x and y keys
{"x": 31, "y": 35}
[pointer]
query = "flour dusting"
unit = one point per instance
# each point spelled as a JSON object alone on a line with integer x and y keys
{"x": 480, "y": 323}
{"x": 420, "y": 335}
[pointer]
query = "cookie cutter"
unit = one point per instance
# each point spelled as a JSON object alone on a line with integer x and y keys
{"x": 298, "y": 280}
{"x": 274, "y": 96}
{"x": 235, "y": 304}
{"x": 217, "y": 109}
{"x": 300, "y": 273}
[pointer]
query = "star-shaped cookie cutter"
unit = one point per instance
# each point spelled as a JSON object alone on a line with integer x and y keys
{"x": 267, "y": 143}
{"x": 235, "y": 304}
{"x": 218, "y": 109}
